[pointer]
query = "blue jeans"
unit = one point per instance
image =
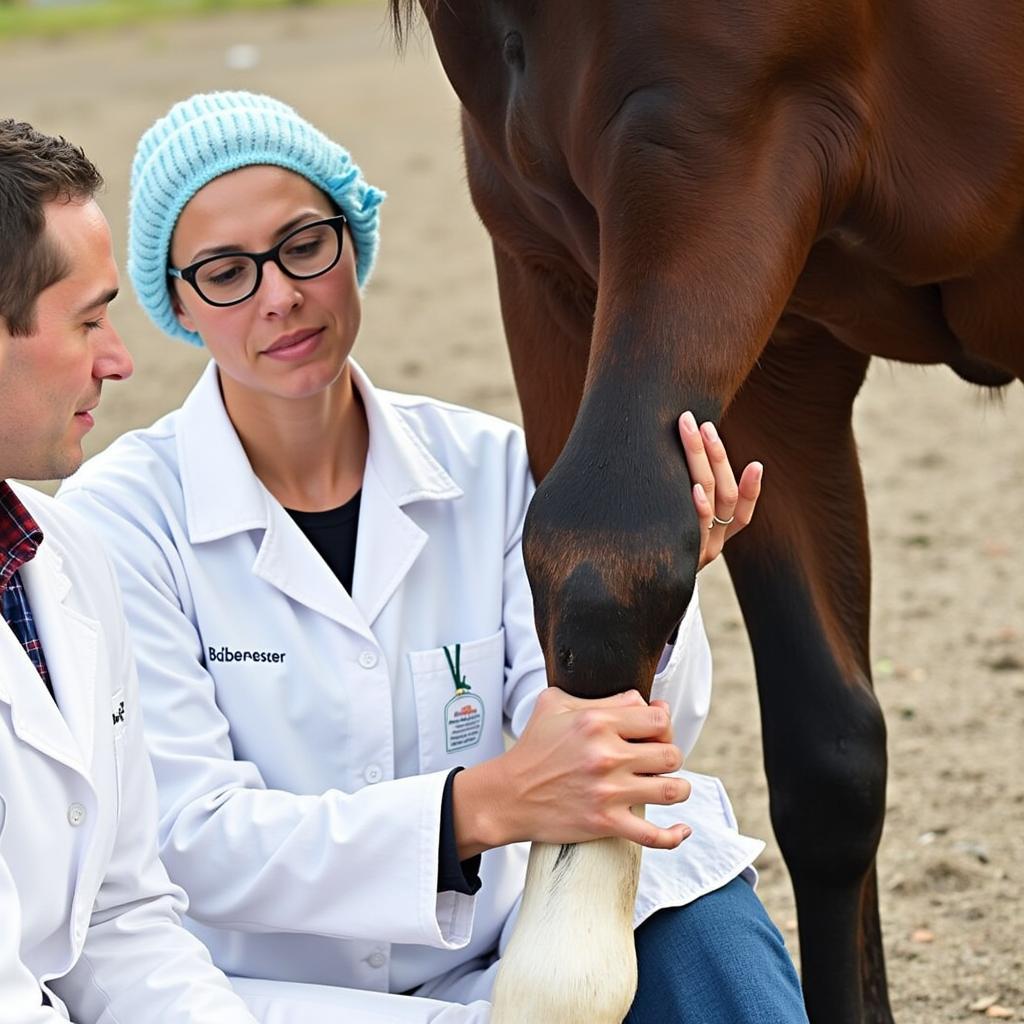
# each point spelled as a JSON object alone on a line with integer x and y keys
{"x": 718, "y": 960}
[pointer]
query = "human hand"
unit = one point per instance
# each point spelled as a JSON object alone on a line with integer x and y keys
{"x": 573, "y": 775}
{"x": 723, "y": 507}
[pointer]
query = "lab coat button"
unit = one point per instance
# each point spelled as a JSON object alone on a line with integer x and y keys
{"x": 368, "y": 659}
{"x": 76, "y": 814}
{"x": 376, "y": 959}
{"x": 372, "y": 773}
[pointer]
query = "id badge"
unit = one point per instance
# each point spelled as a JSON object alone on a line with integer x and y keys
{"x": 464, "y": 713}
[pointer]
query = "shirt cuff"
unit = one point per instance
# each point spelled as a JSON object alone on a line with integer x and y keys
{"x": 454, "y": 875}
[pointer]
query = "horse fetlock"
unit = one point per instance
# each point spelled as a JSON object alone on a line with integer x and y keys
{"x": 571, "y": 957}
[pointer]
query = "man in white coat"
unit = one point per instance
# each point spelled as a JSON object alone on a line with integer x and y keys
{"x": 89, "y": 925}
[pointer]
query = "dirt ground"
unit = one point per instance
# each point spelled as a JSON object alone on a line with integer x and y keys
{"x": 944, "y": 467}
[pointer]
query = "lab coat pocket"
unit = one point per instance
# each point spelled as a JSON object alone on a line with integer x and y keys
{"x": 459, "y": 690}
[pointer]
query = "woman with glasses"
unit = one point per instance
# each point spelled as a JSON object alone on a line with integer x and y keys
{"x": 334, "y": 629}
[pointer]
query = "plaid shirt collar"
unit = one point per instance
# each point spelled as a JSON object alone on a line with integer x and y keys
{"x": 20, "y": 535}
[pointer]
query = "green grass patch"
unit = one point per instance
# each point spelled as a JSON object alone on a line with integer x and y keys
{"x": 18, "y": 20}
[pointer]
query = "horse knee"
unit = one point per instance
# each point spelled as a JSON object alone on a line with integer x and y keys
{"x": 828, "y": 788}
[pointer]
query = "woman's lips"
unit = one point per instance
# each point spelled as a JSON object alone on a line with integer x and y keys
{"x": 295, "y": 346}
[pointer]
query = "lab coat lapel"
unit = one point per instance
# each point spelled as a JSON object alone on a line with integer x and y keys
{"x": 400, "y": 471}
{"x": 69, "y": 642}
{"x": 223, "y": 496}
{"x": 389, "y": 542}
{"x": 289, "y": 562}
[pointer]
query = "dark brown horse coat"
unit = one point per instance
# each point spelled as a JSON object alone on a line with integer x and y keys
{"x": 730, "y": 207}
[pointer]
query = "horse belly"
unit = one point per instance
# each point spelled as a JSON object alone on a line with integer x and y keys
{"x": 971, "y": 324}
{"x": 986, "y": 309}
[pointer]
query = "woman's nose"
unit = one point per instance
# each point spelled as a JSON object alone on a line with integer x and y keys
{"x": 278, "y": 293}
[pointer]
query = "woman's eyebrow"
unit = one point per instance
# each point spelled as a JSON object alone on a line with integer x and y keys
{"x": 220, "y": 250}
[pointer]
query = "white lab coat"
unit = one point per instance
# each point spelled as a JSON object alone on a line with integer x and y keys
{"x": 86, "y": 909}
{"x": 301, "y": 737}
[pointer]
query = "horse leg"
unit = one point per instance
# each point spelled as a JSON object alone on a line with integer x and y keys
{"x": 571, "y": 956}
{"x": 802, "y": 575}
{"x": 548, "y": 338}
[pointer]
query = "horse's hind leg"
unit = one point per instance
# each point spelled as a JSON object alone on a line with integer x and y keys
{"x": 802, "y": 576}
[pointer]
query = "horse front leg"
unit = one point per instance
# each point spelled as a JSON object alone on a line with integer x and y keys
{"x": 571, "y": 957}
{"x": 802, "y": 575}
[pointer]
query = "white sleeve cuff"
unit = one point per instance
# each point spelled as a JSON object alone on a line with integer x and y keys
{"x": 455, "y": 912}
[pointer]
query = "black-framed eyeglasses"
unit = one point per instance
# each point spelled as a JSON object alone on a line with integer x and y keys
{"x": 233, "y": 277}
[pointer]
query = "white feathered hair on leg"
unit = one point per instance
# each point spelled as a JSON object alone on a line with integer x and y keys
{"x": 571, "y": 958}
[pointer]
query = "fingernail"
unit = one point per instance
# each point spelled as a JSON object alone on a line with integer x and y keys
{"x": 699, "y": 493}
{"x": 689, "y": 423}
{"x": 709, "y": 431}
{"x": 759, "y": 468}
{"x": 687, "y": 832}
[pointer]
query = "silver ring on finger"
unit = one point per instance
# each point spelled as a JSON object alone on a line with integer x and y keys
{"x": 715, "y": 521}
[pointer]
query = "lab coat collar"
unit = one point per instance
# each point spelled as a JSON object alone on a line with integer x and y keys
{"x": 406, "y": 469}
{"x": 69, "y": 641}
{"x": 222, "y": 494}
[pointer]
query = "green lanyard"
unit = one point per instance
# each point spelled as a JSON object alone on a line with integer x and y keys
{"x": 454, "y": 667}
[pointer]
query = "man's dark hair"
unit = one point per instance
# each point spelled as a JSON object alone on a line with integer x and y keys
{"x": 35, "y": 169}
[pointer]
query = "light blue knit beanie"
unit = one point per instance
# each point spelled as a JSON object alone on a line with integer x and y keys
{"x": 208, "y": 135}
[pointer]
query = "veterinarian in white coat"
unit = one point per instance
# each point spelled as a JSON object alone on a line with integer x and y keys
{"x": 88, "y": 914}
{"x": 89, "y": 925}
{"x": 304, "y": 731}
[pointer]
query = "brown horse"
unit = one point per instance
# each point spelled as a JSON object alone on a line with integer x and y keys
{"x": 730, "y": 207}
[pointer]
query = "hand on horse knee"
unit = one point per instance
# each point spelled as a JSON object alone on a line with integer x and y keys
{"x": 723, "y": 506}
